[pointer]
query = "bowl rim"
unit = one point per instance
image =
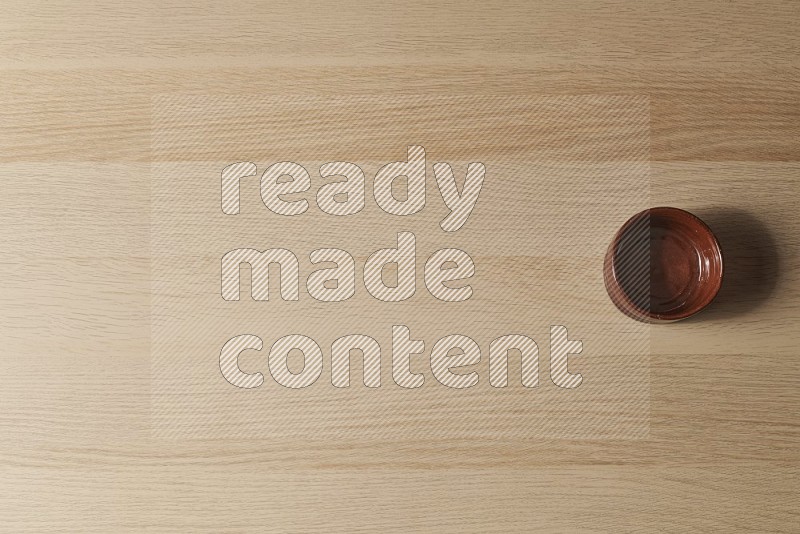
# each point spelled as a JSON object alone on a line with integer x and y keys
{"x": 627, "y": 306}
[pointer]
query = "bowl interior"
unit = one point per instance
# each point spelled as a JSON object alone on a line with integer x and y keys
{"x": 668, "y": 263}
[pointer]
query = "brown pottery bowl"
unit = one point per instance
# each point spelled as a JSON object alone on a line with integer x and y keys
{"x": 663, "y": 265}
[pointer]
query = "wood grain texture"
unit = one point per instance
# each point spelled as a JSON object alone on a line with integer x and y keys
{"x": 76, "y": 85}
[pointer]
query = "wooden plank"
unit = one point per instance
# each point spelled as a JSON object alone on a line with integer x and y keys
{"x": 77, "y": 82}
